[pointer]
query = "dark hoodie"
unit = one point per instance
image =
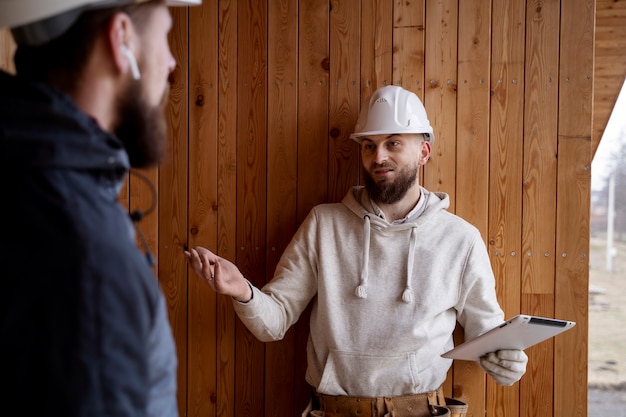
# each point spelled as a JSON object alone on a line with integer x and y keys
{"x": 84, "y": 328}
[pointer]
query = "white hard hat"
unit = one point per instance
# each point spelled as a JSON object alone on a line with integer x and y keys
{"x": 35, "y": 22}
{"x": 393, "y": 110}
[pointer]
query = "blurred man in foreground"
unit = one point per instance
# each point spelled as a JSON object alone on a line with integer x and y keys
{"x": 84, "y": 328}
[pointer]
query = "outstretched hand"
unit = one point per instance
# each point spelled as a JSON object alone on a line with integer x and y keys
{"x": 221, "y": 275}
{"x": 505, "y": 366}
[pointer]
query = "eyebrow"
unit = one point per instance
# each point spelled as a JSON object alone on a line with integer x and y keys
{"x": 391, "y": 135}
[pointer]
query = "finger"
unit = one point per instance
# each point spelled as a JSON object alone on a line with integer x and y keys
{"x": 490, "y": 357}
{"x": 495, "y": 370}
{"x": 489, "y": 362}
{"x": 196, "y": 263}
{"x": 497, "y": 365}
{"x": 206, "y": 253}
{"x": 513, "y": 355}
{"x": 217, "y": 268}
{"x": 193, "y": 257}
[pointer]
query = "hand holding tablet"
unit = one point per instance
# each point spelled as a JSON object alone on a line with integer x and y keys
{"x": 517, "y": 333}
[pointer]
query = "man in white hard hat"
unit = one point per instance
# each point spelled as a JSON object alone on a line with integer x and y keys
{"x": 389, "y": 272}
{"x": 83, "y": 323}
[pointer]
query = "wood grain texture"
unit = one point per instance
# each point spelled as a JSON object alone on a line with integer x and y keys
{"x": 472, "y": 154}
{"x": 609, "y": 63}
{"x": 505, "y": 173}
{"x": 282, "y": 150}
{"x": 344, "y": 97}
{"x": 226, "y": 198}
{"x": 540, "y": 147}
{"x": 251, "y": 192}
{"x": 572, "y": 275}
{"x": 313, "y": 105}
{"x": 376, "y": 47}
{"x": 172, "y": 219}
{"x": 440, "y": 94}
{"x": 313, "y": 147}
{"x": 539, "y": 204}
{"x": 263, "y": 100}
{"x": 7, "y": 49}
{"x": 205, "y": 379}
{"x": 409, "y": 45}
{"x": 573, "y": 191}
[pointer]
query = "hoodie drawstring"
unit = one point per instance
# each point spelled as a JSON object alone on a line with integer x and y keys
{"x": 361, "y": 290}
{"x": 407, "y": 295}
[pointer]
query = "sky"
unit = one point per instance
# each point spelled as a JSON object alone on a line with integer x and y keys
{"x": 616, "y": 127}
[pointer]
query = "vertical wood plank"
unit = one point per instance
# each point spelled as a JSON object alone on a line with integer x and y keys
{"x": 473, "y": 95}
{"x": 409, "y": 47}
{"x": 376, "y": 46}
{"x": 344, "y": 165}
{"x": 610, "y": 63}
{"x": 572, "y": 280}
{"x": 573, "y": 199}
{"x": 251, "y": 191}
{"x": 313, "y": 146}
{"x": 203, "y": 205}
{"x": 313, "y": 97}
{"x": 282, "y": 184}
{"x": 539, "y": 189}
{"x": 227, "y": 198}
{"x": 540, "y": 140}
{"x": 172, "y": 265}
{"x": 7, "y": 49}
{"x": 472, "y": 178}
{"x": 505, "y": 173}
{"x": 440, "y": 94}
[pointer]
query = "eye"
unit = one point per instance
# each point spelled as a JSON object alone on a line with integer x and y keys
{"x": 393, "y": 144}
{"x": 368, "y": 147}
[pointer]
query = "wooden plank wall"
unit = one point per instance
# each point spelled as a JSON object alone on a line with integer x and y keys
{"x": 610, "y": 63}
{"x": 263, "y": 100}
{"x": 7, "y": 48}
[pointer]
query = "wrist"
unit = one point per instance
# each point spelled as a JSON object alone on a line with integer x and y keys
{"x": 246, "y": 296}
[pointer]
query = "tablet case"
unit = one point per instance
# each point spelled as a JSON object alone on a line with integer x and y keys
{"x": 519, "y": 332}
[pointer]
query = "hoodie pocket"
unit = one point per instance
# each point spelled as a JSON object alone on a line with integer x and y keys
{"x": 369, "y": 375}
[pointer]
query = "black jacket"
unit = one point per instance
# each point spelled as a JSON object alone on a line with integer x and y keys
{"x": 83, "y": 325}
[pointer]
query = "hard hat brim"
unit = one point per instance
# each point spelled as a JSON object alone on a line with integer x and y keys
{"x": 15, "y": 13}
{"x": 357, "y": 137}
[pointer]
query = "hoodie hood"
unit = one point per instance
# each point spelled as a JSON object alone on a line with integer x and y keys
{"x": 359, "y": 202}
{"x": 41, "y": 127}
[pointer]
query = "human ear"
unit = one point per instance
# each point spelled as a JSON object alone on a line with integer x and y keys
{"x": 121, "y": 36}
{"x": 425, "y": 152}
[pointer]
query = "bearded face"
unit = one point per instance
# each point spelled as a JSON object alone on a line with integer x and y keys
{"x": 386, "y": 191}
{"x": 142, "y": 127}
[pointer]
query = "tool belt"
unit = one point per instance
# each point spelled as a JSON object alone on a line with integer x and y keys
{"x": 412, "y": 405}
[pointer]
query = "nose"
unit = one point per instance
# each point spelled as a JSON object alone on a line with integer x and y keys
{"x": 380, "y": 156}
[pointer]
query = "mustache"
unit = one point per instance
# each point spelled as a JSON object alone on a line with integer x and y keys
{"x": 376, "y": 165}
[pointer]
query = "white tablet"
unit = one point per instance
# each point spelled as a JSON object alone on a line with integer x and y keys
{"x": 519, "y": 332}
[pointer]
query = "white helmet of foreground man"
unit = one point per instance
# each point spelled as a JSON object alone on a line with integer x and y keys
{"x": 35, "y": 22}
{"x": 393, "y": 110}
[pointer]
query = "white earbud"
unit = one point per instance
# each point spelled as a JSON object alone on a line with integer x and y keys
{"x": 134, "y": 69}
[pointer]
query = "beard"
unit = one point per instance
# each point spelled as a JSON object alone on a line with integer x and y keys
{"x": 390, "y": 192}
{"x": 141, "y": 128}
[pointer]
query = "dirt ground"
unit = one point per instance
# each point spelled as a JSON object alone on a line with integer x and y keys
{"x": 607, "y": 331}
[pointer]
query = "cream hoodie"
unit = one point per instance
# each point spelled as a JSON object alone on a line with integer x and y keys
{"x": 386, "y": 297}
